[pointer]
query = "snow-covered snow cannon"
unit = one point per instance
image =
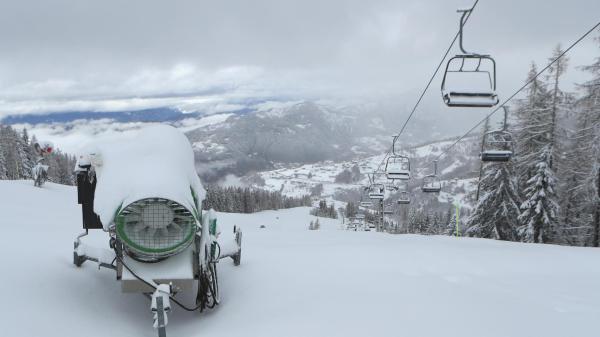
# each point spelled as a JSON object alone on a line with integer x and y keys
{"x": 145, "y": 193}
{"x": 39, "y": 172}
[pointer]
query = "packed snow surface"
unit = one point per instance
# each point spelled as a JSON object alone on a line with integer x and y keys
{"x": 296, "y": 282}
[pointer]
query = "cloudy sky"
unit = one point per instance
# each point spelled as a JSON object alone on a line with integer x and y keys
{"x": 59, "y": 55}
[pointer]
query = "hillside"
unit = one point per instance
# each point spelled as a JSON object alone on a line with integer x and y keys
{"x": 295, "y": 282}
{"x": 457, "y": 170}
{"x": 254, "y": 136}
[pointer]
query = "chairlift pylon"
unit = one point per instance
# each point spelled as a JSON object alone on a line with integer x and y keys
{"x": 470, "y": 67}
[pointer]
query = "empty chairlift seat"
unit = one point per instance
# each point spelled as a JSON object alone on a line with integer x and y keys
{"x": 497, "y": 146}
{"x": 431, "y": 184}
{"x": 404, "y": 198}
{"x": 364, "y": 199}
{"x": 397, "y": 167}
{"x": 470, "y": 81}
{"x": 376, "y": 191}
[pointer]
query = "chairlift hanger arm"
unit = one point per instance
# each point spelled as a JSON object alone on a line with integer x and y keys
{"x": 464, "y": 12}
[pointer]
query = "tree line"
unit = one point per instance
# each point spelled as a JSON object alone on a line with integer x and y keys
{"x": 550, "y": 191}
{"x": 248, "y": 200}
{"x": 324, "y": 211}
{"x": 17, "y": 158}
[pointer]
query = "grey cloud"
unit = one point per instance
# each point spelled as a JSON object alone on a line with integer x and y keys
{"x": 57, "y": 53}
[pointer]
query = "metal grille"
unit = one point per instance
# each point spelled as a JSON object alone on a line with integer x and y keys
{"x": 156, "y": 227}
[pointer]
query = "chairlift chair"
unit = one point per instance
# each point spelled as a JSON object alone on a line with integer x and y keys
{"x": 397, "y": 167}
{"x": 376, "y": 191}
{"x": 431, "y": 183}
{"x": 497, "y": 146}
{"x": 404, "y": 198}
{"x": 470, "y": 67}
{"x": 391, "y": 187}
{"x": 388, "y": 210}
{"x": 365, "y": 201}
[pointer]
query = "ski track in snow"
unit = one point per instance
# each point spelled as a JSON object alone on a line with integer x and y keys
{"x": 295, "y": 282}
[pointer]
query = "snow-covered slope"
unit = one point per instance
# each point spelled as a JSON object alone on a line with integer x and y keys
{"x": 295, "y": 282}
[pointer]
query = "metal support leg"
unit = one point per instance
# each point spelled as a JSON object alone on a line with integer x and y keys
{"x": 160, "y": 306}
{"x": 160, "y": 312}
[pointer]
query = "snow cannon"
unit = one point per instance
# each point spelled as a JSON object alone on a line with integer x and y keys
{"x": 145, "y": 194}
{"x": 43, "y": 148}
{"x": 39, "y": 172}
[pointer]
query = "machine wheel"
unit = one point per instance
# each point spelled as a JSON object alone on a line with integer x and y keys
{"x": 237, "y": 258}
{"x": 78, "y": 260}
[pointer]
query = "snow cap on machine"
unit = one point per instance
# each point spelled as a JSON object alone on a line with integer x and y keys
{"x": 155, "y": 162}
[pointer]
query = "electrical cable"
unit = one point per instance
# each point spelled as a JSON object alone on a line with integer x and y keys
{"x": 181, "y": 305}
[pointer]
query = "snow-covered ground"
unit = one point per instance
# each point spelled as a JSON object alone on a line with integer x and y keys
{"x": 295, "y": 282}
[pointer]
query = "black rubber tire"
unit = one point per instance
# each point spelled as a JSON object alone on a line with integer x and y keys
{"x": 77, "y": 260}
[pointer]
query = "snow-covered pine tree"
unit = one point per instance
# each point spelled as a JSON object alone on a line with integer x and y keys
{"x": 451, "y": 226}
{"x": 590, "y": 148}
{"x": 577, "y": 191}
{"x": 13, "y": 164}
{"x": 495, "y": 215}
{"x": 26, "y": 154}
{"x": 532, "y": 128}
{"x": 2, "y": 160}
{"x": 540, "y": 209}
{"x": 535, "y": 132}
{"x": 559, "y": 105}
{"x": 411, "y": 223}
{"x": 497, "y": 209}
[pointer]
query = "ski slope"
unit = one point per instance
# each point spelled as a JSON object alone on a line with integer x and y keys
{"x": 295, "y": 282}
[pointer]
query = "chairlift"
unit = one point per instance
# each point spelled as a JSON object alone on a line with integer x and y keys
{"x": 364, "y": 198}
{"x": 391, "y": 187}
{"x": 388, "y": 210}
{"x": 397, "y": 165}
{"x": 477, "y": 69}
{"x": 431, "y": 183}
{"x": 404, "y": 198}
{"x": 376, "y": 191}
{"x": 497, "y": 146}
